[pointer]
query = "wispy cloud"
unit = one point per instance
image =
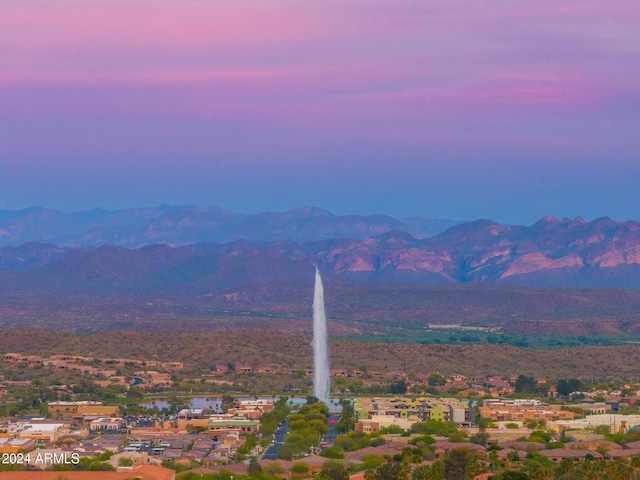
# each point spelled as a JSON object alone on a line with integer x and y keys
{"x": 306, "y": 83}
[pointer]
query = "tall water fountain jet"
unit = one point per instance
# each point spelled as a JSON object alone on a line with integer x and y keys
{"x": 321, "y": 386}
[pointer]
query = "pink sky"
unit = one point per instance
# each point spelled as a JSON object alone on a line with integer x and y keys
{"x": 211, "y": 86}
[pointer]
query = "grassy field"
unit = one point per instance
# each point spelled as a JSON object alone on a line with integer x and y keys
{"x": 462, "y": 337}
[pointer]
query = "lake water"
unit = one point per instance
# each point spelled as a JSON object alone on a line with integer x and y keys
{"x": 214, "y": 403}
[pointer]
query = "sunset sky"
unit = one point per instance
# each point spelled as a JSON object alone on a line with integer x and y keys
{"x": 442, "y": 109}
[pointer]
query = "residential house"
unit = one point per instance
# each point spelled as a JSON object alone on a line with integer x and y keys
{"x": 141, "y": 472}
{"x": 561, "y": 454}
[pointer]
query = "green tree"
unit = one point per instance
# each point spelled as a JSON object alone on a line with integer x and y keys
{"x": 565, "y": 469}
{"x": 494, "y": 460}
{"x": 435, "y": 379}
{"x": 457, "y": 436}
{"x": 475, "y": 467}
{"x": 388, "y": 471}
{"x": 567, "y": 387}
{"x": 101, "y": 466}
{"x": 369, "y": 462}
{"x": 333, "y": 471}
{"x": 287, "y": 451}
{"x": 332, "y": 452}
{"x": 434, "y": 427}
{"x": 391, "y": 429}
{"x": 434, "y": 471}
{"x": 254, "y": 467}
{"x": 226, "y": 402}
{"x": 347, "y": 420}
{"x": 300, "y": 468}
{"x": 525, "y": 384}
{"x": 398, "y": 388}
{"x": 135, "y": 393}
{"x": 481, "y": 438}
{"x": 455, "y": 463}
{"x": 538, "y": 467}
{"x": 511, "y": 475}
{"x": 273, "y": 469}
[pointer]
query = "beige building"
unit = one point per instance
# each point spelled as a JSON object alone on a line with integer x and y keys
{"x": 523, "y": 410}
{"x": 615, "y": 422}
{"x": 70, "y": 410}
{"x": 15, "y": 445}
{"x": 41, "y": 433}
{"x": 377, "y": 422}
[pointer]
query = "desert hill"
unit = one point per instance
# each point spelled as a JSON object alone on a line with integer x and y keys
{"x": 265, "y": 348}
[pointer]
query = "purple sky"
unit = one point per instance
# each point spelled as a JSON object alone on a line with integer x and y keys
{"x": 442, "y": 109}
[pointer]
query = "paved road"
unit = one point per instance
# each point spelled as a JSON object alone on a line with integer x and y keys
{"x": 271, "y": 453}
{"x": 329, "y": 438}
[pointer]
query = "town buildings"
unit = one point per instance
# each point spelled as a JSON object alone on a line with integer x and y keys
{"x": 375, "y": 413}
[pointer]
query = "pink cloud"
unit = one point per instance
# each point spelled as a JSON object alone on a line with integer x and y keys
{"x": 453, "y": 51}
{"x": 376, "y": 70}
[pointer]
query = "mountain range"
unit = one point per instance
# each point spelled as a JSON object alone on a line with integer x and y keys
{"x": 479, "y": 273}
{"x": 551, "y": 252}
{"x": 184, "y": 225}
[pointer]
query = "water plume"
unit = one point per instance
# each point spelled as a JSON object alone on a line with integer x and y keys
{"x": 321, "y": 385}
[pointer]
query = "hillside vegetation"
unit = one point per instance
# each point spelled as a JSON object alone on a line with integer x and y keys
{"x": 353, "y": 309}
{"x": 204, "y": 351}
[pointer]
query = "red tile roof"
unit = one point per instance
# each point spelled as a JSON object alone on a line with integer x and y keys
{"x": 143, "y": 472}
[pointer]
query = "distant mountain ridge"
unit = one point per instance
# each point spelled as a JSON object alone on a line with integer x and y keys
{"x": 551, "y": 252}
{"x": 184, "y": 225}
